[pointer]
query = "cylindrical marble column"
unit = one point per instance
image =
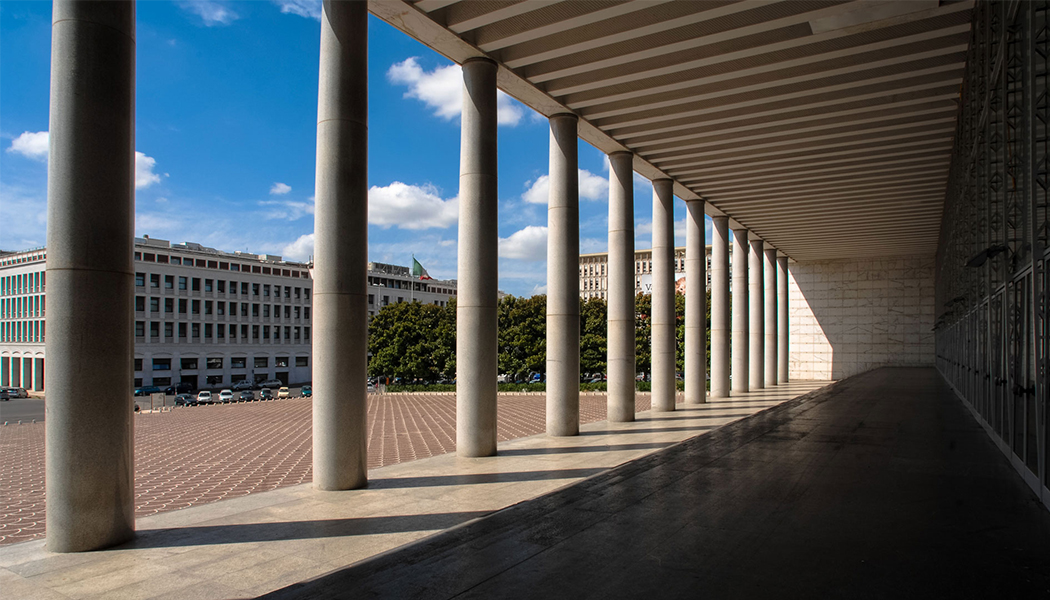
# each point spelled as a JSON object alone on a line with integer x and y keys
{"x": 476, "y": 345}
{"x": 783, "y": 333}
{"x": 757, "y": 317}
{"x": 340, "y": 441}
{"x": 663, "y": 314}
{"x": 770, "y": 291}
{"x": 90, "y": 278}
{"x": 563, "y": 284}
{"x": 695, "y": 305}
{"x": 621, "y": 337}
{"x": 741, "y": 349}
{"x": 720, "y": 307}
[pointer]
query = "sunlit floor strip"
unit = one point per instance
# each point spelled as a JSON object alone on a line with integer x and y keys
{"x": 254, "y": 544}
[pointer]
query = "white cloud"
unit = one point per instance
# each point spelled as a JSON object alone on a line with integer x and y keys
{"x": 212, "y": 12}
{"x": 539, "y": 289}
{"x": 442, "y": 90}
{"x": 527, "y": 244}
{"x": 301, "y": 249}
{"x": 279, "y": 189}
{"x": 592, "y": 187}
{"x": 31, "y": 145}
{"x": 309, "y": 9}
{"x": 159, "y": 224}
{"x": 23, "y": 210}
{"x": 287, "y": 210}
{"x": 144, "y": 175}
{"x": 410, "y": 207}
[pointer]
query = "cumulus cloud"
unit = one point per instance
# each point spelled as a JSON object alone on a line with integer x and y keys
{"x": 31, "y": 145}
{"x": 280, "y": 189}
{"x": 301, "y": 249}
{"x": 592, "y": 187}
{"x": 309, "y": 9}
{"x": 211, "y": 12}
{"x": 144, "y": 175}
{"x": 287, "y": 210}
{"x": 442, "y": 90}
{"x": 527, "y": 244}
{"x": 410, "y": 207}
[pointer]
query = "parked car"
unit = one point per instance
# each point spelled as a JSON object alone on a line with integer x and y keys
{"x": 16, "y": 392}
{"x": 4, "y": 395}
{"x": 371, "y": 387}
{"x": 243, "y": 385}
{"x": 147, "y": 390}
{"x": 284, "y": 393}
{"x": 306, "y": 391}
{"x": 204, "y": 397}
{"x": 272, "y": 384}
{"x": 226, "y": 396}
{"x": 246, "y": 396}
{"x": 179, "y": 388}
{"x": 265, "y": 394}
{"x": 185, "y": 400}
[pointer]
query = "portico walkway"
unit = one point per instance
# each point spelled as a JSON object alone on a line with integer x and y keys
{"x": 880, "y": 486}
{"x": 259, "y": 543}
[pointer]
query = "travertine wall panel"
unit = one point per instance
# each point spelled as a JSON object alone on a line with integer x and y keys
{"x": 849, "y": 316}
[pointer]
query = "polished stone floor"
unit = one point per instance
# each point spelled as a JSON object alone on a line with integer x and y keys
{"x": 879, "y": 486}
{"x": 254, "y": 544}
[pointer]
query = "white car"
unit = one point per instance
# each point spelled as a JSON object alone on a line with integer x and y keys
{"x": 204, "y": 397}
{"x": 226, "y": 396}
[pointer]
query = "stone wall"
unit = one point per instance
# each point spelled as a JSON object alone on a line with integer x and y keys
{"x": 849, "y": 316}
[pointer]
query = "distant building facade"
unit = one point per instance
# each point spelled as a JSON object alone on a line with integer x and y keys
{"x": 594, "y": 277}
{"x": 202, "y": 316}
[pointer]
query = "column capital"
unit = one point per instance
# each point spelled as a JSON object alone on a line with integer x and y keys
{"x": 564, "y": 115}
{"x": 480, "y": 59}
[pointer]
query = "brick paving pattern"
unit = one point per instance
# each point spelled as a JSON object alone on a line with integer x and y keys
{"x": 202, "y": 454}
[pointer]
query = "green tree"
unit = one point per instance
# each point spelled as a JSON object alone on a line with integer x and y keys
{"x": 412, "y": 341}
{"x": 593, "y": 328}
{"x": 522, "y": 335}
{"x": 643, "y": 333}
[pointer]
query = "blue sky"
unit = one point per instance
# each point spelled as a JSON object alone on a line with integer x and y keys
{"x": 226, "y": 108}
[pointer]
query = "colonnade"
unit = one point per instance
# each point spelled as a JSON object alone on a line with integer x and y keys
{"x": 90, "y": 502}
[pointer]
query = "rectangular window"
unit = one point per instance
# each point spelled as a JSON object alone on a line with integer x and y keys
{"x": 215, "y": 363}
{"x": 175, "y": 260}
{"x": 371, "y": 300}
{"x": 138, "y": 364}
{"x": 297, "y": 309}
{"x": 255, "y": 332}
{"x": 255, "y": 289}
{"x": 237, "y": 378}
{"x": 302, "y": 361}
{"x": 214, "y": 379}
{"x": 244, "y": 288}
{"x": 140, "y": 329}
{"x": 306, "y": 310}
{"x": 266, "y": 332}
{"x": 255, "y": 310}
{"x": 196, "y": 284}
{"x": 266, "y": 290}
{"x": 162, "y": 381}
{"x": 244, "y": 332}
{"x": 169, "y": 305}
{"x": 140, "y": 303}
{"x": 154, "y": 280}
{"x": 182, "y": 306}
{"x": 222, "y": 286}
{"x": 238, "y": 362}
{"x": 169, "y": 282}
{"x": 195, "y": 330}
{"x": 287, "y": 291}
{"x": 207, "y": 307}
{"x": 195, "y": 307}
{"x": 220, "y": 308}
{"x": 262, "y": 362}
{"x": 281, "y": 361}
{"x": 169, "y": 331}
{"x": 182, "y": 330}
{"x": 207, "y": 330}
{"x": 306, "y": 333}
{"x": 287, "y": 312}
{"x": 306, "y": 294}
{"x": 298, "y": 291}
{"x": 208, "y": 284}
{"x": 182, "y": 283}
{"x": 154, "y": 305}
{"x": 221, "y": 331}
{"x": 140, "y": 280}
{"x": 266, "y": 310}
{"x": 161, "y": 364}
{"x": 154, "y": 329}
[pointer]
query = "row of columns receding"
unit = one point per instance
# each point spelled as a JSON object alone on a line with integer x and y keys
{"x": 90, "y": 501}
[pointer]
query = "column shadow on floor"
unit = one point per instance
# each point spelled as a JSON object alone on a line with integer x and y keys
{"x": 660, "y": 430}
{"x": 479, "y": 478}
{"x": 206, "y": 535}
{"x": 577, "y": 449}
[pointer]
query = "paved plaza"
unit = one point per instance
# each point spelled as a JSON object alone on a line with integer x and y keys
{"x": 197, "y": 455}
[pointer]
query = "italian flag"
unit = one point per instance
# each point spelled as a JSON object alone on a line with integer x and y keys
{"x": 418, "y": 270}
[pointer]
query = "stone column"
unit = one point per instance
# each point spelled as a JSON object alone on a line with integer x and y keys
{"x": 695, "y": 305}
{"x": 720, "y": 308}
{"x": 340, "y": 456}
{"x": 757, "y": 317}
{"x": 563, "y": 284}
{"x": 90, "y": 277}
{"x": 770, "y": 292}
{"x": 621, "y": 338}
{"x": 741, "y": 350}
{"x": 783, "y": 332}
{"x": 663, "y": 314}
{"x": 476, "y": 346}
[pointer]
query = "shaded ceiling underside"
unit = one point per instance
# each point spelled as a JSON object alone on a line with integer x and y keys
{"x": 825, "y": 128}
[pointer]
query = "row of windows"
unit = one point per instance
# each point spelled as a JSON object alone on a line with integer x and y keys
{"x": 23, "y": 258}
{"x": 221, "y": 331}
{"x": 236, "y": 362}
{"x": 22, "y": 331}
{"x": 386, "y": 300}
{"x": 24, "y": 306}
{"x": 25, "y": 283}
{"x": 220, "y": 265}
{"x": 197, "y": 284}
{"x": 220, "y": 308}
